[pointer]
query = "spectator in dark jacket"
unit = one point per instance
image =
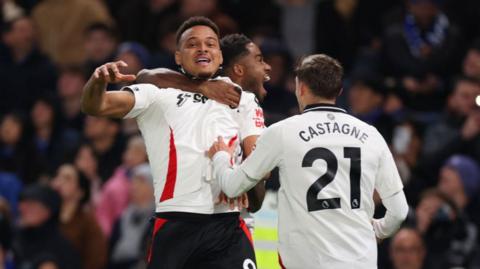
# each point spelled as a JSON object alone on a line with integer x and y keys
{"x": 24, "y": 72}
{"x": 39, "y": 238}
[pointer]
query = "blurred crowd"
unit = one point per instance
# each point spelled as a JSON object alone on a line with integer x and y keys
{"x": 76, "y": 191}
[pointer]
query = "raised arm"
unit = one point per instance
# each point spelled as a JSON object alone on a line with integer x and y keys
{"x": 96, "y": 101}
{"x": 220, "y": 91}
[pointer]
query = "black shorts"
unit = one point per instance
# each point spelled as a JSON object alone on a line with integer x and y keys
{"x": 186, "y": 240}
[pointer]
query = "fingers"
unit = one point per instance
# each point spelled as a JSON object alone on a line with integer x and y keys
{"x": 110, "y": 72}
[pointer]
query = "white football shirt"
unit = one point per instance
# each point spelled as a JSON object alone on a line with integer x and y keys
{"x": 330, "y": 163}
{"x": 178, "y": 128}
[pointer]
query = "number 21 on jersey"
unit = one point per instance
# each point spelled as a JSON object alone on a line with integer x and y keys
{"x": 352, "y": 153}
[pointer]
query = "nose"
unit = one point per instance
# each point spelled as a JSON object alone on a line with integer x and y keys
{"x": 267, "y": 67}
{"x": 203, "y": 48}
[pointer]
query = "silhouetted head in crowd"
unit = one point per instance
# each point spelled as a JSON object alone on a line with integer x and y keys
{"x": 19, "y": 36}
{"x": 407, "y": 249}
{"x": 45, "y": 115}
{"x": 366, "y": 95}
{"x": 100, "y": 42}
{"x": 135, "y": 55}
{"x": 12, "y": 129}
{"x": 461, "y": 101}
{"x": 101, "y": 131}
{"x": 136, "y": 152}
{"x": 71, "y": 81}
{"x": 243, "y": 62}
{"x": 471, "y": 62}
{"x": 72, "y": 185}
{"x": 460, "y": 179}
{"x": 39, "y": 205}
{"x": 424, "y": 11}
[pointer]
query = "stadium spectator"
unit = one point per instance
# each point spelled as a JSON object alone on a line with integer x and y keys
{"x": 107, "y": 142}
{"x": 25, "y": 73}
{"x": 17, "y": 154}
{"x": 135, "y": 56}
{"x": 86, "y": 162}
{"x": 146, "y": 15}
{"x": 407, "y": 249}
{"x": 459, "y": 179}
{"x": 366, "y": 98}
{"x": 61, "y": 26}
{"x": 421, "y": 49}
{"x": 471, "y": 62}
{"x": 38, "y": 238}
{"x": 130, "y": 232}
{"x": 69, "y": 89}
{"x": 113, "y": 198}
{"x": 52, "y": 142}
{"x": 458, "y": 131}
{"x": 100, "y": 45}
{"x": 280, "y": 101}
{"x": 450, "y": 238}
{"x": 77, "y": 222}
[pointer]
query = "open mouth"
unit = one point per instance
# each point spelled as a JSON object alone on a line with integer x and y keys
{"x": 266, "y": 78}
{"x": 203, "y": 60}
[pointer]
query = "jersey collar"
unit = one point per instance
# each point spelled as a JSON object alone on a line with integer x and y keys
{"x": 323, "y": 107}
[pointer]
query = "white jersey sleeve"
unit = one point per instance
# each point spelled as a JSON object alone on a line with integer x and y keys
{"x": 145, "y": 95}
{"x": 387, "y": 181}
{"x": 267, "y": 154}
{"x": 251, "y": 121}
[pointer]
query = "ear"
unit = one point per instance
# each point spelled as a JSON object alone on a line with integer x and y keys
{"x": 238, "y": 70}
{"x": 221, "y": 58}
{"x": 178, "y": 59}
{"x": 302, "y": 88}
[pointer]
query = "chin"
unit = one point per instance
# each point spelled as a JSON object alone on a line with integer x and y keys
{"x": 204, "y": 75}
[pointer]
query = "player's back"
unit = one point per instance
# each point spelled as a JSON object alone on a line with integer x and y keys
{"x": 328, "y": 174}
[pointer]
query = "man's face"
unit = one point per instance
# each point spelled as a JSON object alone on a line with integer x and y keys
{"x": 462, "y": 100}
{"x": 256, "y": 71}
{"x": 99, "y": 45}
{"x": 362, "y": 99}
{"x": 199, "y": 52}
{"x": 407, "y": 251}
{"x": 450, "y": 182}
{"x": 33, "y": 213}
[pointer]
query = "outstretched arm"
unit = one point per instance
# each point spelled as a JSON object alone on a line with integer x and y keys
{"x": 220, "y": 91}
{"x": 97, "y": 102}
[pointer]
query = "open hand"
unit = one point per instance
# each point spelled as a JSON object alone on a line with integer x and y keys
{"x": 217, "y": 146}
{"x": 110, "y": 73}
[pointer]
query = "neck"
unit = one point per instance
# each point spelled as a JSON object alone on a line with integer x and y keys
{"x": 44, "y": 132}
{"x": 316, "y": 100}
{"x": 68, "y": 210}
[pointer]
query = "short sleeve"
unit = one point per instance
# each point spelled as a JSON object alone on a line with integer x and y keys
{"x": 388, "y": 181}
{"x": 252, "y": 121}
{"x": 267, "y": 154}
{"x": 144, "y": 96}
